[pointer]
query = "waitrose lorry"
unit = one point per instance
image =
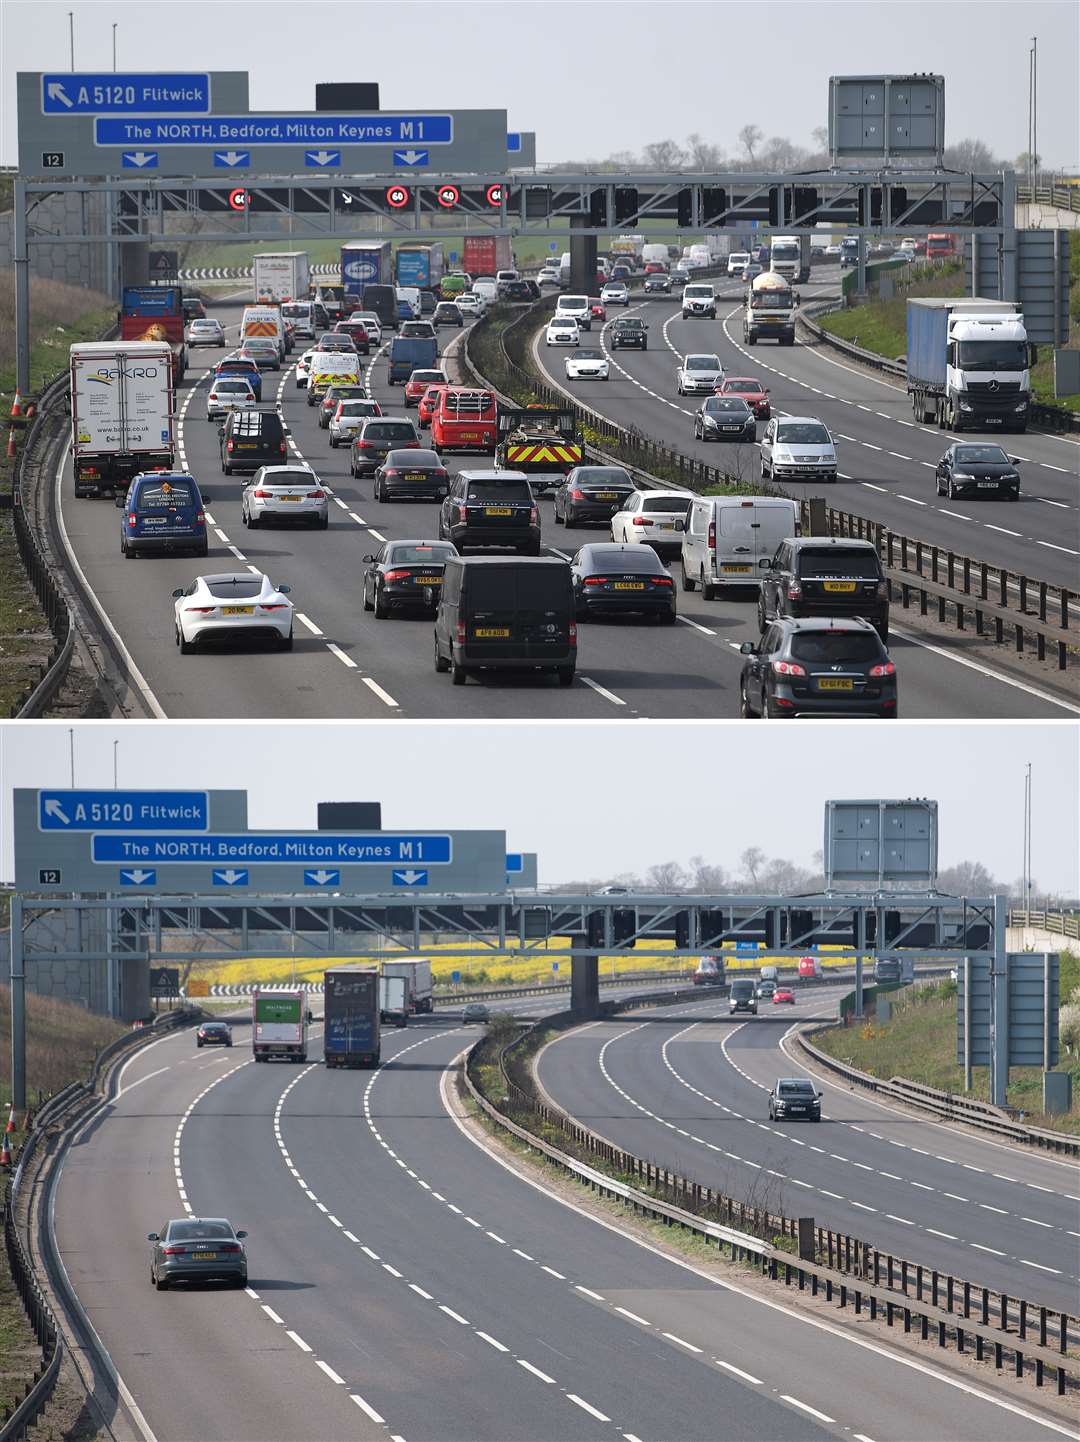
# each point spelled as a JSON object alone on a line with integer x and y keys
{"x": 351, "y": 1014}
{"x": 968, "y": 363}
{"x": 279, "y": 1025}
{"x": 281, "y": 275}
{"x": 417, "y": 975}
{"x": 122, "y": 413}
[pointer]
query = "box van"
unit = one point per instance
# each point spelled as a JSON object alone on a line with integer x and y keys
{"x": 410, "y": 353}
{"x": 501, "y": 613}
{"x": 465, "y": 420}
{"x": 730, "y": 540}
{"x": 654, "y": 255}
{"x": 162, "y": 512}
{"x": 382, "y": 299}
{"x": 769, "y": 973}
{"x": 742, "y": 996}
{"x": 810, "y": 966}
{"x": 307, "y": 318}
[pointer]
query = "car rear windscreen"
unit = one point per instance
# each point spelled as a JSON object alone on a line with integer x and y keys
{"x": 234, "y": 586}
{"x": 198, "y": 1231}
{"x": 839, "y": 561}
{"x": 830, "y": 648}
{"x": 602, "y": 476}
{"x": 499, "y": 490}
{"x": 627, "y": 558}
{"x": 434, "y": 554}
{"x": 165, "y": 495}
{"x": 288, "y": 478}
{"x": 666, "y": 505}
{"x": 389, "y": 431}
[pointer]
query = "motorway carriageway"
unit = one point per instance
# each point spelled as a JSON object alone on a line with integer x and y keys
{"x": 406, "y": 1282}
{"x": 347, "y": 664}
{"x": 886, "y": 460}
{"x": 688, "y": 1088}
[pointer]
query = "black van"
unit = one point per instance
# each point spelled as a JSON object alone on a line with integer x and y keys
{"x": 505, "y": 613}
{"x": 382, "y": 299}
{"x": 250, "y": 439}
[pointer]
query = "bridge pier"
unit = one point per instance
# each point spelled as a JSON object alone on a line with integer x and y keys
{"x": 585, "y": 986}
{"x": 582, "y": 259}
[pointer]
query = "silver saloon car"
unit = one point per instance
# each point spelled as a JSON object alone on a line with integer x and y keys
{"x": 284, "y": 493}
{"x": 197, "y": 1249}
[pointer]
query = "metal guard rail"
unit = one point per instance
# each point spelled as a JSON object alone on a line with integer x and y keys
{"x": 854, "y": 1271}
{"x": 1004, "y": 605}
{"x": 1053, "y": 418}
{"x": 17, "y": 1425}
{"x": 944, "y": 1104}
{"x": 57, "y": 612}
{"x": 1061, "y": 197}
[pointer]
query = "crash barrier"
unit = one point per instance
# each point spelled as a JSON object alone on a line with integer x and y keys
{"x": 1060, "y": 197}
{"x": 1063, "y": 923}
{"x": 1005, "y": 606}
{"x": 947, "y": 1105}
{"x": 848, "y": 1271}
{"x": 17, "y": 1424}
{"x": 1051, "y": 418}
{"x": 57, "y": 611}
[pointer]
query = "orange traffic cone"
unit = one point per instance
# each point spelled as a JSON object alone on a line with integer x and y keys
{"x": 5, "y": 1145}
{"x": 16, "y": 405}
{"x": 11, "y": 445}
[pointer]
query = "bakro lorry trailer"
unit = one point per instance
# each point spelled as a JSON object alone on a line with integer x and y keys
{"x": 279, "y": 1025}
{"x": 122, "y": 405}
{"x": 351, "y": 1013}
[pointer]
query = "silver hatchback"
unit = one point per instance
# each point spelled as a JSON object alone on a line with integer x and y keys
{"x": 349, "y": 415}
{"x": 285, "y": 493}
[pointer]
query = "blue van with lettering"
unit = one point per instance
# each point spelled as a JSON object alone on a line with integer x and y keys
{"x": 163, "y": 511}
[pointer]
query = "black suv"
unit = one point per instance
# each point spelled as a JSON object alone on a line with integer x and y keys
{"x": 250, "y": 439}
{"x": 628, "y": 332}
{"x": 491, "y": 508}
{"x": 794, "y": 1097}
{"x": 823, "y": 666}
{"x": 820, "y": 576}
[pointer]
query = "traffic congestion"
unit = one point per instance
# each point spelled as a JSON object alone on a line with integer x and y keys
{"x": 373, "y": 370}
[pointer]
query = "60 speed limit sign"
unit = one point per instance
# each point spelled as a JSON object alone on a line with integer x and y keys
{"x": 448, "y": 196}
{"x": 397, "y": 196}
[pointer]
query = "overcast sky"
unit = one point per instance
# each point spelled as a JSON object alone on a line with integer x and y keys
{"x": 590, "y": 78}
{"x": 718, "y": 788}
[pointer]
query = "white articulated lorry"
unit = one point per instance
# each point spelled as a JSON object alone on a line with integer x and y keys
{"x": 789, "y": 256}
{"x": 417, "y": 975}
{"x": 122, "y": 413}
{"x": 968, "y": 363}
{"x": 281, "y": 275}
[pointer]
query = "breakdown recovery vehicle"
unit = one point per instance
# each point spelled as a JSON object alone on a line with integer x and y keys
{"x": 542, "y": 442}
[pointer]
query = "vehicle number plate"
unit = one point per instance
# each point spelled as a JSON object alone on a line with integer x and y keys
{"x": 290, "y": 498}
{"x": 498, "y": 511}
{"x": 428, "y": 580}
{"x": 470, "y": 436}
{"x": 204, "y": 1256}
{"x": 988, "y": 485}
{"x": 487, "y": 632}
{"x": 415, "y": 476}
{"x": 238, "y": 610}
{"x": 666, "y": 526}
{"x": 629, "y": 585}
{"x": 839, "y": 585}
{"x": 835, "y": 683}
{"x": 736, "y": 570}
{"x": 605, "y": 495}
{"x": 731, "y": 428}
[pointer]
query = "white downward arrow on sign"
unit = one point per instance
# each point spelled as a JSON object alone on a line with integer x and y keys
{"x": 56, "y": 92}
{"x": 410, "y": 877}
{"x": 139, "y": 876}
{"x": 232, "y": 157}
{"x": 139, "y": 157}
{"x": 410, "y": 157}
{"x": 322, "y": 877}
{"x": 53, "y": 808}
{"x": 322, "y": 157}
{"x": 230, "y": 877}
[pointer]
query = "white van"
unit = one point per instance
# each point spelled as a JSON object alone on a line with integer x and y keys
{"x": 575, "y": 307}
{"x": 487, "y": 288}
{"x": 729, "y": 540}
{"x": 654, "y": 255}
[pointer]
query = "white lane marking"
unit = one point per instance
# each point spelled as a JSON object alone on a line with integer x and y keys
{"x": 534, "y": 1370}
{"x": 602, "y": 690}
{"x": 457, "y": 1317}
{"x": 124, "y": 1090}
{"x": 306, "y": 621}
{"x": 1003, "y": 529}
{"x": 392, "y": 1270}
{"x": 680, "y": 1342}
{"x": 413, "y": 1287}
{"x": 340, "y": 654}
{"x": 1040, "y": 1266}
{"x": 1036, "y": 1223}
{"x": 368, "y": 1408}
{"x": 384, "y": 696}
{"x": 948, "y": 1235}
{"x": 594, "y": 1295}
{"x": 703, "y": 629}
{"x": 730, "y": 1367}
{"x": 492, "y": 1341}
{"x": 1051, "y": 547}
{"x": 805, "y": 1407}
{"x": 295, "y": 1337}
{"x": 633, "y": 1316}
{"x": 979, "y": 1246}
{"x": 588, "y": 1407}
{"x": 325, "y": 1366}
{"x": 376, "y": 534}
{"x": 273, "y": 1315}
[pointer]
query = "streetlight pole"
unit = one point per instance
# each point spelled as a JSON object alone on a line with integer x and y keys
{"x": 116, "y": 765}
{"x": 114, "y": 47}
{"x": 71, "y": 36}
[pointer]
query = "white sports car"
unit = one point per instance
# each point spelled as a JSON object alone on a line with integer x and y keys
{"x": 236, "y": 605}
{"x": 587, "y": 365}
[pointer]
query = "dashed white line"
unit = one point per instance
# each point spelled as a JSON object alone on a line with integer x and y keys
{"x": 325, "y": 1366}
{"x": 603, "y": 691}
{"x": 299, "y": 1341}
{"x": 805, "y": 1407}
{"x": 368, "y": 1408}
{"x": 535, "y": 1370}
{"x": 587, "y": 1406}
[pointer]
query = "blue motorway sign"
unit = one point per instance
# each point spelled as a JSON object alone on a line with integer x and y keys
{"x": 410, "y": 876}
{"x": 411, "y": 157}
{"x": 513, "y": 141}
{"x": 110, "y": 93}
{"x": 515, "y": 861}
{"x": 241, "y": 130}
{"x": 123, "y": 811}
{"x": 310, "y": 848}
{"x": 231, "y": 158}
{"x": 139, "y": 876}
{"x": 138, "y": 159}
{"x": 322, "y": 158}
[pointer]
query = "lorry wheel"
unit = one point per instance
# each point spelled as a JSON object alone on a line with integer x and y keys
{"x": 688, "y": 582}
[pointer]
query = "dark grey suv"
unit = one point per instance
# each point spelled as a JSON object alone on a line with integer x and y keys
{"x": 825, "y": 576}
{"x": 824, "y": 666}
{"x": 794, "y": 1097}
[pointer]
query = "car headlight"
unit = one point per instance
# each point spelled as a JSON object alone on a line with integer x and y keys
{"x": 829, "y": 459}
{"x": 962, "y": 476}
{"x": 1021, "y": 407}
{"x": 784, "y": 457}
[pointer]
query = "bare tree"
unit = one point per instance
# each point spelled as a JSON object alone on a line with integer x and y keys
{"x": 967, "y": 878}
{"x": 749, "y": 137}
{"x": 703, "y": 155}
{"x": 820, "y": 137}
{"x": 781, "y": 154}
{"x": 663, "y": 155}
{"x": 706, "y": 877}
{"x": 971, "y": 154}
{"x": 752, "y": 859}
{"x": 667, "y": 876}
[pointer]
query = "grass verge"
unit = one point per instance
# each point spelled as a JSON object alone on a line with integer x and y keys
{"x": 919, "y": 1044}
{"x": 25, "y": 639}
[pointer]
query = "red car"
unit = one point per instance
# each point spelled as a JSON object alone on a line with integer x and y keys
{"x": 428, "y": 401}
{"x": 749, "y": 389}
{"x": 597, "y": 307}
{"x": 655, "y": 268}
{"x": 783, "y": 994}
{"x": 417, "y": 384}
{"x": 357, "y": 332}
